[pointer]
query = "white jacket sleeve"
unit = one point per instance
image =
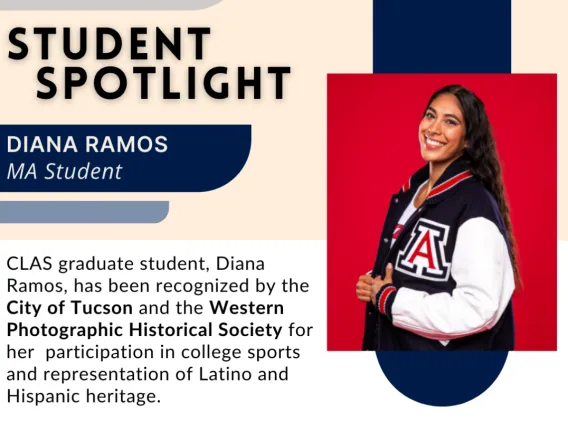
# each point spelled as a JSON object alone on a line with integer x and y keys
{"x": 484, "y": 278}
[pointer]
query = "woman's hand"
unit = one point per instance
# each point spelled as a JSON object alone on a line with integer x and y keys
{"x": 367, "y": 287}
{"x": 364, "y": 288}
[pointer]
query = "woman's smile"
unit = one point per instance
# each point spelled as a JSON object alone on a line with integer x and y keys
{"x": 433, "y": 143}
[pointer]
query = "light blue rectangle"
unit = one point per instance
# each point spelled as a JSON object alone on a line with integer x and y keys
{"x": 83, "y": 211}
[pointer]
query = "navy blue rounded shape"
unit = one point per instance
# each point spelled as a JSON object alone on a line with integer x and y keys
{"x": 442, "y": 378}
{"x": 198, "y": 158}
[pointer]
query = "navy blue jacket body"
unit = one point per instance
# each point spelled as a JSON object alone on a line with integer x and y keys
{"x": 453, "y": 278}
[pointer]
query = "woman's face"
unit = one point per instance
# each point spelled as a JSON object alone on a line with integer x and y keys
{"x": 442, "y": 130}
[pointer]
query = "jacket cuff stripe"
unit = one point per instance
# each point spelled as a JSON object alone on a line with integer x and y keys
{"x": 383, "y": 298}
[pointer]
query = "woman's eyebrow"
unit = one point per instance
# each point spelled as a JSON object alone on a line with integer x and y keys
{"x": 453, "y": 116}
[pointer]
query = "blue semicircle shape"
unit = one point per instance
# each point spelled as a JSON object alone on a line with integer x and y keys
{"x": 441, "y": 378}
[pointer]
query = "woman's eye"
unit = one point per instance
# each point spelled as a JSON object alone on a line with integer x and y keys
{"x": 451, "y": 122}
{"x": 429, "y": 115}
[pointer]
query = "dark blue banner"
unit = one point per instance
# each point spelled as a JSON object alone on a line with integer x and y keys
{"x": 121, "y": 158}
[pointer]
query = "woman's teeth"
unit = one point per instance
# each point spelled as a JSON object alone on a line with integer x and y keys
{"x": 433, "y": 144}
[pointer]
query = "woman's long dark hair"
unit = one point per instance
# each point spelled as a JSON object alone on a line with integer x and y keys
{"x": 481, "y": 154}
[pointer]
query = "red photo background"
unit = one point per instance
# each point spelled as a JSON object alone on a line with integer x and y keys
{"x": 373, "y": 149}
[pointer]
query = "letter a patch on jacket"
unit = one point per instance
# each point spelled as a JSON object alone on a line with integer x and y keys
{"x": 424, "y": 255}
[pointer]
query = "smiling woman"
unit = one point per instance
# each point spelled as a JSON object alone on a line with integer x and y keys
{"x": 447, "y": 251}
{"x": 442, "y": 127}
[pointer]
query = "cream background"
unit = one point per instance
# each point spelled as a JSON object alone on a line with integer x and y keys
{"x": 281, "y": 192}
{"x": 539, "y": 34}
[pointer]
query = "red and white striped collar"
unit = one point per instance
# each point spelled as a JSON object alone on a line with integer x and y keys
{"x": 450, "y": 183}
{"x": 456, "y": 173}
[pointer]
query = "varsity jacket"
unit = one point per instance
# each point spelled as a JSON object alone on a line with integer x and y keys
{"x": 452, "y": 279}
